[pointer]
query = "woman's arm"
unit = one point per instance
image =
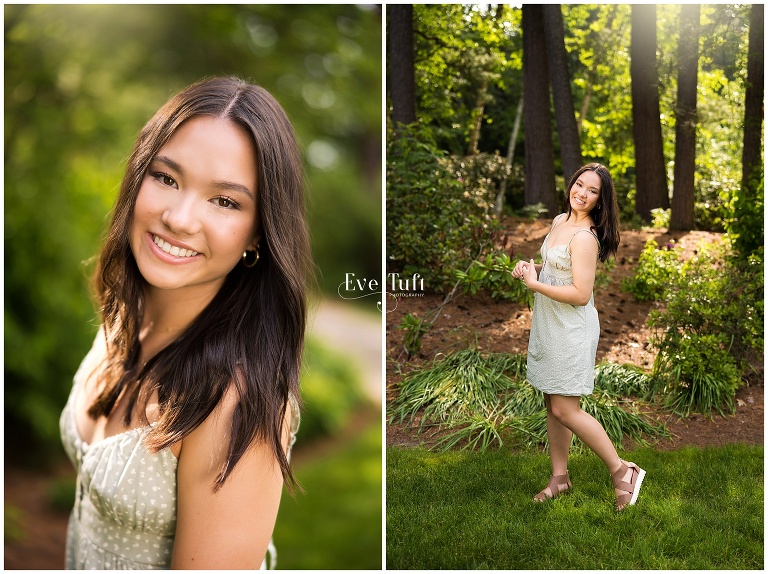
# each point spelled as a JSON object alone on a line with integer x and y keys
{"x": 583, "y": 250}
{"x": 230, "y": 528}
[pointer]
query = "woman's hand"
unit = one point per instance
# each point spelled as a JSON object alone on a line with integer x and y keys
{"x": 517, "y": 272}
{"x": 529, "y": 273}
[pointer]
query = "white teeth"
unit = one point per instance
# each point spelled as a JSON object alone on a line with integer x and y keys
{"x": 173, "y": 249}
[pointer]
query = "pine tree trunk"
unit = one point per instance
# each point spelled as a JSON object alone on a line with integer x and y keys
{"x": 537, "y": 120}
{"x": 557, "y": 62}
{"x": 683, "y": 195}
{"x": 752, "y": 160}
{"x": 401, "y": 81}
{"x": 651, "y": 179}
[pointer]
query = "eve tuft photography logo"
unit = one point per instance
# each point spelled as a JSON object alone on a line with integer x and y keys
{"x": 395, "y": 286}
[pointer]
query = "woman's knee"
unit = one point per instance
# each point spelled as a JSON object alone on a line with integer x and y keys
{"x": 563, "y": 411}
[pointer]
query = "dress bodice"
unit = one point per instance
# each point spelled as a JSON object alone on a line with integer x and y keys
{"x": 125, "y": 506}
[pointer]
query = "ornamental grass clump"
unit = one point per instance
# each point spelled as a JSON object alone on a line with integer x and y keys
{"x": 471, "y": 401}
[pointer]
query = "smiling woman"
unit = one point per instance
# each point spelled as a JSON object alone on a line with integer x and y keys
{"x": 187, "y": 405}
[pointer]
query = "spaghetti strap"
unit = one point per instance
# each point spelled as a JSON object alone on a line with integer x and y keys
{"x": 554, "y": 222}
{"x": 590, "y": 232}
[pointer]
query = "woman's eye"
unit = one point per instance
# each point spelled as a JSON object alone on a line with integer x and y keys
{"x": 165, "y": 179}
{"x": 225, "y": 202}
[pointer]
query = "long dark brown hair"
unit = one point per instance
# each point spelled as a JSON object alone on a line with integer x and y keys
{"x": 605, "y": 214}
{"x": 252, "y": 333}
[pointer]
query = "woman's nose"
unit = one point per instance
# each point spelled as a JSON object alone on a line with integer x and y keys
{"x": 180, "y": 215}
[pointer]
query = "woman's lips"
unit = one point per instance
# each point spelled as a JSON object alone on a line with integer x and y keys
{"x": 169, "y": 252}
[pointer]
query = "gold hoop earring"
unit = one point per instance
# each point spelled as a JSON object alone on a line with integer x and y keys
{"x": 247, "y": 258}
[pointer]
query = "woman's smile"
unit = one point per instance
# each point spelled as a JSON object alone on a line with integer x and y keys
{"x": 175, "y": 250}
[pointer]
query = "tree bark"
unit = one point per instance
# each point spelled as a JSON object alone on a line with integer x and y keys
{"x": 751, "y": 159}
{"x": 402, "y": 79}
{"x": 477, "y": 116}
{"x": 557, "y": 62}
{"x": 650, "y": 175}
{"x": 683, "y": 195}
{"x": 537, "y": 122}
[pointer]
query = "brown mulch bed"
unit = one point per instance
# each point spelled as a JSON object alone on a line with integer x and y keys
{"x": 499, "y": 326}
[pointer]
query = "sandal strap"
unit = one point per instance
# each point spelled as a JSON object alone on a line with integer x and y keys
{"x": 553, "y": 488}
{"x": 619, "y": 483}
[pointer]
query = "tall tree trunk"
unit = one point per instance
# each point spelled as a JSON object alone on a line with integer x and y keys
{"x": 477, "y": 115}
{"x": 650, "y": 175}
{"x": 557, "y": 62}
{"x": 510, "y": 154}
{"x": 683, "y": 196}
{"x": 751, "y": 159}
{"x": 748, "y": 209}
{"x": 537, "y": 120}
{"x": 401, "y": 81}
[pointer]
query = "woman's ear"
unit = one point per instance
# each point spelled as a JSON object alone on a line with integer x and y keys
{"x": 255, "y": 241}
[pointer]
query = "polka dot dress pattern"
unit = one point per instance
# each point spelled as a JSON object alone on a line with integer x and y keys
{"x": 125, "y": 507}
{"x": 563, "y": 341}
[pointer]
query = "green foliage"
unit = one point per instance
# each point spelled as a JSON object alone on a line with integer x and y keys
{"x": 415, "y": 329}
{"x": 603, "y": 274}
{"x": 533, "y": 212}
{"x": 463, "y": 57}
{"x": 748, "y": 223}
{"x": 337, "y": 524}
{"x": 330, "y": 390}
{"x": 710, "y": 327}
{"x": 696, "y": 373}
{"x": 468, "y": 61}
{"x": 476, "y": 401}
{"x": 495, "y": 275}
{"x": 13, "y": 523}
{"x": 61, "y": 493}
{"x": 433, "y": 223}
{"x": 660, "y": 217}
{"x": 656, "y": 268}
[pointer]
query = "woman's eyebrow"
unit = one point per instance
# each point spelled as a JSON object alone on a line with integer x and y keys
{"x": 590, "y": 187}
{"x": 220, "y": 185}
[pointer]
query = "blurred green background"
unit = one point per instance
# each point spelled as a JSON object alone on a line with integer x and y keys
{"x": 80, "y": 82}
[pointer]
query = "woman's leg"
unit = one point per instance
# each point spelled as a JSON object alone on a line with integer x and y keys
{"x": 568, "y": 413}
{"x": 559, "y": 438}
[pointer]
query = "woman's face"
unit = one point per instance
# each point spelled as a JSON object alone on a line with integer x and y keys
{"x": 195, "y": 213}
{"x": 585, "y": 192}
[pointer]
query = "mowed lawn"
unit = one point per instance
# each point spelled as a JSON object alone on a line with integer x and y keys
{"x": 698, "y": 509}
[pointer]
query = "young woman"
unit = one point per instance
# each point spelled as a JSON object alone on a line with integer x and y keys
{"x": 182, "y": 415}
{"x": 565, "y": 328}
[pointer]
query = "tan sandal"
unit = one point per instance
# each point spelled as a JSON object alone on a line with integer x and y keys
{"x": 630, "y": 489}
{"x": 557, "y": 485}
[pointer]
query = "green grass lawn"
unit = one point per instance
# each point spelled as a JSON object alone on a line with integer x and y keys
{"x": 336, "y": 524}
{"x": 698, "y": 509}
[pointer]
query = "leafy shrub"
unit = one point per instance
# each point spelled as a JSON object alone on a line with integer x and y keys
{"x": 660, "y": 217}
{"x": 330, "y": 390}
{"x": 747, "y": 226}
{"x": 709, "y": 329}
{"x": 696, "y": 373}
{"x": 655, "y": 270}
{"x": 495, "y": 275}
{"x": 434, "y": 222}
{"x": 415, "y": 329}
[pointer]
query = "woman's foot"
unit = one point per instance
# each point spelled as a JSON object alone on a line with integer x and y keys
{"x": 557, "y": 485}
{"x": 626, "y": 483}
